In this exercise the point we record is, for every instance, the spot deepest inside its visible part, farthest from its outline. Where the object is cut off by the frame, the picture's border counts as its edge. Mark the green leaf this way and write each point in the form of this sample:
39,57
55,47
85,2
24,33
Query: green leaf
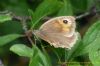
91,39
46,54
94,56
22,50
91,34
95,45
4,18
90,3
11,27
39,58
45,8
79,5
18,7
66,8
8,38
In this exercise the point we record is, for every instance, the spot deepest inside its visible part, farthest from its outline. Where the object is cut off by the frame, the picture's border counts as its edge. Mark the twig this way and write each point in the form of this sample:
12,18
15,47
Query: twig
27,32
82,15
93,11
19,18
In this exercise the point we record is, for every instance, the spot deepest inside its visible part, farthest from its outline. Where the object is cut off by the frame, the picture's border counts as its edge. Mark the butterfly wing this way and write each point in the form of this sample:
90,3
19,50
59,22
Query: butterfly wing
62,41
57,33
57,40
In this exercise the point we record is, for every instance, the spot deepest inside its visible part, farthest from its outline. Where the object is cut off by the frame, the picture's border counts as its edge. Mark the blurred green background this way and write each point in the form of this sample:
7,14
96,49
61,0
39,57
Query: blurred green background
40,11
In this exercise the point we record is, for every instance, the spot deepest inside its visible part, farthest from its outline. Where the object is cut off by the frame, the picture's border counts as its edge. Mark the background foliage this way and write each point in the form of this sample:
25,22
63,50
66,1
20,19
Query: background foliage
19,17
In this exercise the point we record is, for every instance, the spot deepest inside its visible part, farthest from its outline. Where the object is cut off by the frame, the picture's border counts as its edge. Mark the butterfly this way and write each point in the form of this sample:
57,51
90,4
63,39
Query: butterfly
59,32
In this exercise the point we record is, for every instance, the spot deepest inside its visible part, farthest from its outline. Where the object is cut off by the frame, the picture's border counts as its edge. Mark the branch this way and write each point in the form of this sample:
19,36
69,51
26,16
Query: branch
28,33
93,11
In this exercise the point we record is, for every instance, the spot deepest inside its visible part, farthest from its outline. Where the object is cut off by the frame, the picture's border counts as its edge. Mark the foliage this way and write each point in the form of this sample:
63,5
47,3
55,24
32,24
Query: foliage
22,50
4,18
13,33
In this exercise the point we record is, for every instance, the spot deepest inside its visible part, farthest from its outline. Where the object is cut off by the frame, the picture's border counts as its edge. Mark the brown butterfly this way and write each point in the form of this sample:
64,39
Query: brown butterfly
59,32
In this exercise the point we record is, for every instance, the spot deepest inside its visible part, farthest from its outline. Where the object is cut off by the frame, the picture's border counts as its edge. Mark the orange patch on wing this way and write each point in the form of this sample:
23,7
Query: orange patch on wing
56,24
